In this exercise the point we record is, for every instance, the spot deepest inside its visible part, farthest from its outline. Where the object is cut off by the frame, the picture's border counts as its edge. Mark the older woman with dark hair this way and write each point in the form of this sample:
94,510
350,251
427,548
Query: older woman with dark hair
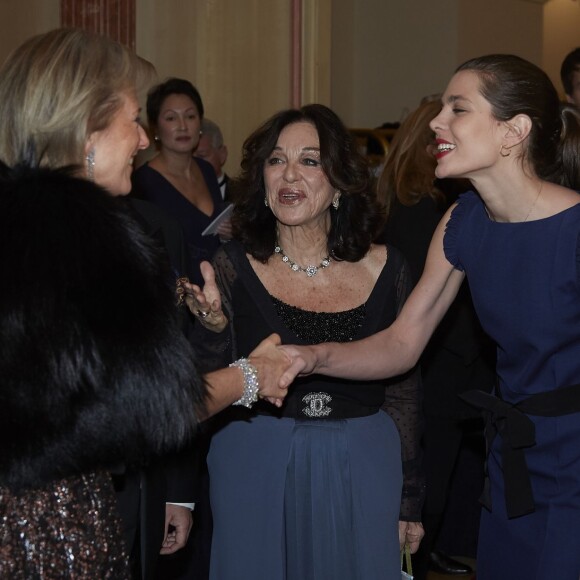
313,489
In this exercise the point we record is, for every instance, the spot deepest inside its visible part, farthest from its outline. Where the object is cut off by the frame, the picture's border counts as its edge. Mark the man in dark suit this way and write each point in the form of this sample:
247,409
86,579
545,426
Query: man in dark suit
211,148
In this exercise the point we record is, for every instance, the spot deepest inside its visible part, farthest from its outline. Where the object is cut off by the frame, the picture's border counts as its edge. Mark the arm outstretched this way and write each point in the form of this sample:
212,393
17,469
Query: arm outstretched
396,349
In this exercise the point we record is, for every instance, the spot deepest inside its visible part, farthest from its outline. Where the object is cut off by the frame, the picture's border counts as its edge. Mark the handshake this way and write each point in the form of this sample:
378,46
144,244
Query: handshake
278,365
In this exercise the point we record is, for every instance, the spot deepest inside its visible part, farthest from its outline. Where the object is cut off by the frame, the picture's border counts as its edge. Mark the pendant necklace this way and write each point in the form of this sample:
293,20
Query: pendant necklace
492,218
310,270
535,202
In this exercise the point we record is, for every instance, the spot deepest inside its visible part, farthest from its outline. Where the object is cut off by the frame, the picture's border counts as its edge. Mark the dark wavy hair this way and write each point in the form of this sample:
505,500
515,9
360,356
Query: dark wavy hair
359,216
514,86
172,86
570,154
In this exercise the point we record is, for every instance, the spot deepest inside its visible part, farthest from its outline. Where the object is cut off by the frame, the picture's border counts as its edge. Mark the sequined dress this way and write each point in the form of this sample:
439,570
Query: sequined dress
303,494
68,529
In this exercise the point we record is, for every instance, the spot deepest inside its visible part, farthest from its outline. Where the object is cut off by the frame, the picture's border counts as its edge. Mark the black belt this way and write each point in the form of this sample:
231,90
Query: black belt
318,405
517,432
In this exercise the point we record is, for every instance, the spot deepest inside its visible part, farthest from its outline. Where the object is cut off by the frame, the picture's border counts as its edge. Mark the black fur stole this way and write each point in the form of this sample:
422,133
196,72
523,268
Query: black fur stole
93,366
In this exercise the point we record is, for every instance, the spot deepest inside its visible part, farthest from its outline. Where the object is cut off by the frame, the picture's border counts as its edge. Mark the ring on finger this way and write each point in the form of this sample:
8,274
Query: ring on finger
202,313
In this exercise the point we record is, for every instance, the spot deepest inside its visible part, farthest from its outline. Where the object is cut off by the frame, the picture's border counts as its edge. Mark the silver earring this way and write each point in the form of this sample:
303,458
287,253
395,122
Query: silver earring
336,201
265,201
509,151
90,159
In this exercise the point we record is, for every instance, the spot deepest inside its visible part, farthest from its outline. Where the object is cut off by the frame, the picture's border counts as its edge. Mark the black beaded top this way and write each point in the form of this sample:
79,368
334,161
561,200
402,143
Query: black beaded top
318,327
256,314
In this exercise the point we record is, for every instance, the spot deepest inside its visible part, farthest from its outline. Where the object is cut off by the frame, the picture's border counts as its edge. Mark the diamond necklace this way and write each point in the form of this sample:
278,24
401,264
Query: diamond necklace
310,270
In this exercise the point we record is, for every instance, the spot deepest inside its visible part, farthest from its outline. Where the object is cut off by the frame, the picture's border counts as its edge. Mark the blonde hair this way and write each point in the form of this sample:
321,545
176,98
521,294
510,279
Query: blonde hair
146,78
55,90
409,171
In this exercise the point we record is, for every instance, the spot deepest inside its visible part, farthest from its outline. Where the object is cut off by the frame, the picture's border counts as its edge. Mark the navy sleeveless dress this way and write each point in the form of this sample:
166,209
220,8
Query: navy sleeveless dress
524,279
150,185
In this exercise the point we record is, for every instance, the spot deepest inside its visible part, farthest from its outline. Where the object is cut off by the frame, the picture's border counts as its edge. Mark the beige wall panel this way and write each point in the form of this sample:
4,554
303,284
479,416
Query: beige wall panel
504,26
395,53
316,51
561,35
24,18
342,59
237,53
166,35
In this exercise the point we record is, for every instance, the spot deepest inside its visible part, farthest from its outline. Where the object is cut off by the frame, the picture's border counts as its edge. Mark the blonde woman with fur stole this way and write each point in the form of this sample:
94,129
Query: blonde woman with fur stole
95,369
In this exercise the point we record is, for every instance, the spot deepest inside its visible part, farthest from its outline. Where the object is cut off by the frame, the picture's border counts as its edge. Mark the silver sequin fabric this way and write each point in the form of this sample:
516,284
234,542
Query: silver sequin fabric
67,529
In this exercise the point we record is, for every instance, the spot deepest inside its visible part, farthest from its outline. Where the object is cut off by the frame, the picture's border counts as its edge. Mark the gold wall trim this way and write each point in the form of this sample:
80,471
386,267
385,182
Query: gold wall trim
316,50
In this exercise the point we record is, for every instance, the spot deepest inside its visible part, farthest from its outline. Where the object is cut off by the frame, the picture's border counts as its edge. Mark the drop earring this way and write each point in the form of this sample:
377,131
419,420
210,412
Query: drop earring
90,159
266,201
336,201
509,151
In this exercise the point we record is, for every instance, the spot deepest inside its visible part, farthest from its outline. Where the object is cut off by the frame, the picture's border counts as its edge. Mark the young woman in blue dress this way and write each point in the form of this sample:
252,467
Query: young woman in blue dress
502,127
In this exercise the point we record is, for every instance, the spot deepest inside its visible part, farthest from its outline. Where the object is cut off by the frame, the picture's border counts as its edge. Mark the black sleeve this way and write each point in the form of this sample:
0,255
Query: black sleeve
403,402
216,350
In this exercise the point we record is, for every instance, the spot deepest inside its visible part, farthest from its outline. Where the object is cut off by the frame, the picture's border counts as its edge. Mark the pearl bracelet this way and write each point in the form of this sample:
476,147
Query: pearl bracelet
251,383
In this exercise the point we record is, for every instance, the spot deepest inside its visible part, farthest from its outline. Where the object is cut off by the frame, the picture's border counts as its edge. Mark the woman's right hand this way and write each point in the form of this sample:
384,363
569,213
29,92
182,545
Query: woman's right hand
271,362
206,304
304,362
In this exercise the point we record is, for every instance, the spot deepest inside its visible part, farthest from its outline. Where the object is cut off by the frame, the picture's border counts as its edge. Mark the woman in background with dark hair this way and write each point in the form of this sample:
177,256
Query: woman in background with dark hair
517,242
313,490
184,186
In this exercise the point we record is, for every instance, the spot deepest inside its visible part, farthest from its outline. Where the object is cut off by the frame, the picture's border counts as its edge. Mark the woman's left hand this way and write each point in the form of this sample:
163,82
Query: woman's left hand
206,304
410,533
224,231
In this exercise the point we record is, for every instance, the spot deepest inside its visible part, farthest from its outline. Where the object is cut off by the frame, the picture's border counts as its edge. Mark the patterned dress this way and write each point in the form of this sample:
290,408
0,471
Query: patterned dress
68,529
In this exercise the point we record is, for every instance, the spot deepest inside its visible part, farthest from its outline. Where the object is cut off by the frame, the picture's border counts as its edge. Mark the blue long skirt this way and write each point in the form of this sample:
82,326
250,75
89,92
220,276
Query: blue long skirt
306,500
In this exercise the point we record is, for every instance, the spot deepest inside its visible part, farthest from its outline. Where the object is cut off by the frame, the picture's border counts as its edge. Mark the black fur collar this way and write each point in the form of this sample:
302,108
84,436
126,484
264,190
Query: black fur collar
93,367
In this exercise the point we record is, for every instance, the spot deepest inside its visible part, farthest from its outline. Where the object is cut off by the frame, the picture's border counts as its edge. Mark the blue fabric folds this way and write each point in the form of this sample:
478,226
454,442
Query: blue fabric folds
319,533
306,500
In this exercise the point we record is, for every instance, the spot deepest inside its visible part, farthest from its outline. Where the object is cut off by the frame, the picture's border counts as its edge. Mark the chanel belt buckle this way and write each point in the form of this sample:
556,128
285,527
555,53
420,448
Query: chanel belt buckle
317,405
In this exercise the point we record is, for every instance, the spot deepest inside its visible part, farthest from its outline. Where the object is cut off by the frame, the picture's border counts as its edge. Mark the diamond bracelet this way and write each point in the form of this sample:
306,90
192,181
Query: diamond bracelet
251,383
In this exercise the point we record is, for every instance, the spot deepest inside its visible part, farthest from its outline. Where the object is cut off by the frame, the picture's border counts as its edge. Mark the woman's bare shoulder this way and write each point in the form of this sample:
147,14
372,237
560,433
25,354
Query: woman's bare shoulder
377,257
